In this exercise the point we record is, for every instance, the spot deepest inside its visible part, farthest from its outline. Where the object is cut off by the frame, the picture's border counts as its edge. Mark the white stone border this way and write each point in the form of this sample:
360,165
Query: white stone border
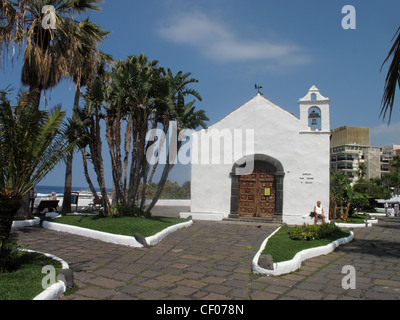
357,225
55,291
114,238
25,223
294,264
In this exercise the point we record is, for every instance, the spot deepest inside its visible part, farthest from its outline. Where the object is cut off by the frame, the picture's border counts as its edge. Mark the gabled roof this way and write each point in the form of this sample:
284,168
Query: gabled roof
258,96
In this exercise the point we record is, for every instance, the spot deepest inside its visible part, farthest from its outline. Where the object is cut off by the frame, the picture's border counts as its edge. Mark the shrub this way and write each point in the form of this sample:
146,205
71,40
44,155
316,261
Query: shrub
313,232
8,253
121,210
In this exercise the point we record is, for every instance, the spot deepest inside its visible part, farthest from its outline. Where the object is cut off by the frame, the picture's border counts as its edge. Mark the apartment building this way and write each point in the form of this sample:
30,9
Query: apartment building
387,156
352,153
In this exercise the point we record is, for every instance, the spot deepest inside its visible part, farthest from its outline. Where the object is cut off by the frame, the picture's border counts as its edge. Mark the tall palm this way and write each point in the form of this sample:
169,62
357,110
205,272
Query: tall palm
392,78
187,118
46,52
85,61
32,143
94,103
131,96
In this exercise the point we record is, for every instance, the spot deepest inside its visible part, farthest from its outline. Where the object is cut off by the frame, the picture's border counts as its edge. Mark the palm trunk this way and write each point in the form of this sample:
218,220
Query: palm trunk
97,159
164,177
66,206
8,210
87,176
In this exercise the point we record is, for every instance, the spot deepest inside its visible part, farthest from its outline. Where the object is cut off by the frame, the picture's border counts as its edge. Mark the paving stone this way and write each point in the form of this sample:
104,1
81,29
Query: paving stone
184,291
218,288
212,279
152,295
106,282
97,293
260,295
169,278
212,260
305,294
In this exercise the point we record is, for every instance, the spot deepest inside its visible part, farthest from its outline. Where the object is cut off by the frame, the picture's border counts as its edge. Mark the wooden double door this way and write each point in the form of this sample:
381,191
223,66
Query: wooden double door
257,192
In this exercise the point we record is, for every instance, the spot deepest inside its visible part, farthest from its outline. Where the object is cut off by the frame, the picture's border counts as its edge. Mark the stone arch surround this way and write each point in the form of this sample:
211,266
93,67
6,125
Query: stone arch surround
279,174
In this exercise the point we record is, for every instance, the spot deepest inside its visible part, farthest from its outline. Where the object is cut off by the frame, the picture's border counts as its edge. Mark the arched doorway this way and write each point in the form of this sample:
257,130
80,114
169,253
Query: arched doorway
260,193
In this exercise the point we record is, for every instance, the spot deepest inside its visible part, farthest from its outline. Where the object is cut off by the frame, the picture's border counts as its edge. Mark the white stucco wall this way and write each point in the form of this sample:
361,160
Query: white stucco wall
304,155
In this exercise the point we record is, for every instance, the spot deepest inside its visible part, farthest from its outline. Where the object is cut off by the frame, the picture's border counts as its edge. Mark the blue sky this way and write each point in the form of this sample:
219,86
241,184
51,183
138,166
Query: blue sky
229,45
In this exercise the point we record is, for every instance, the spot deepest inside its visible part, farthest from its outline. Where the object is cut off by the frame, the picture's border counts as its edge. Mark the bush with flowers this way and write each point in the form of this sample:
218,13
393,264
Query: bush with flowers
313,232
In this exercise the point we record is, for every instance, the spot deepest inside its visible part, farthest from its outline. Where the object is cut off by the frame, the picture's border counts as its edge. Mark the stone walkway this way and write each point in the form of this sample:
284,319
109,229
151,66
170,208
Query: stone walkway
212,261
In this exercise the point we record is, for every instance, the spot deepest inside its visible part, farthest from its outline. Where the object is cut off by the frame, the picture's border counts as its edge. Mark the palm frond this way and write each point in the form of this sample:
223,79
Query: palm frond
33,143
392,79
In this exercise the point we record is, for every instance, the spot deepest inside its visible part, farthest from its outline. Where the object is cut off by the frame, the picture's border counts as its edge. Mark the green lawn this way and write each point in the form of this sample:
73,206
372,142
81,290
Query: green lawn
359,218
127,226
281,248
25,283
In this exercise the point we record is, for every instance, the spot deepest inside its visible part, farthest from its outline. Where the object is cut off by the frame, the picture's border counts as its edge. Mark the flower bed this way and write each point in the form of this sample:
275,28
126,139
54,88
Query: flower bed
288,254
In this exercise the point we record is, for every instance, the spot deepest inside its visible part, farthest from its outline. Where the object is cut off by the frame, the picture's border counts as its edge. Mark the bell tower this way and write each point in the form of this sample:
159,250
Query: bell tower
314,111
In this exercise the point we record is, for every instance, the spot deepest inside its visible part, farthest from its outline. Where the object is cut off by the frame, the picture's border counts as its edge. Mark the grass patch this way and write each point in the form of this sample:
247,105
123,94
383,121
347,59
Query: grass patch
358,218
25,283
126,226
282,248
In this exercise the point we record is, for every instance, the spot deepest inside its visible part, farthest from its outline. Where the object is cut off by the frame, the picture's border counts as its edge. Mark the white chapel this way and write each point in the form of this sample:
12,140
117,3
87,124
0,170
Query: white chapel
261,162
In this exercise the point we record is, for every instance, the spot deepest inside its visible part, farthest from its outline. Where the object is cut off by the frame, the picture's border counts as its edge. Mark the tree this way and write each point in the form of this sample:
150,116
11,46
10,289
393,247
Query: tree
338,192
362,170
46,50
86,60
369,190
32,143
143,98
94,104
392,78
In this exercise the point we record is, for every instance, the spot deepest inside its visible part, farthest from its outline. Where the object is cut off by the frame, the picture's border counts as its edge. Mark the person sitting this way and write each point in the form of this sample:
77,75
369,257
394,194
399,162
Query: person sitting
319,212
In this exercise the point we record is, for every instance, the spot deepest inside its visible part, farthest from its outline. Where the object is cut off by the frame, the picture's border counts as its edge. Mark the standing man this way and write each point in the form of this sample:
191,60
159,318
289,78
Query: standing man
32,198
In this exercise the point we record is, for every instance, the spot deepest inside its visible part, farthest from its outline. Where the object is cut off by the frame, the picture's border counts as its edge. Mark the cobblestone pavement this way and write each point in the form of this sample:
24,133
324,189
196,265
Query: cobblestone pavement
212,261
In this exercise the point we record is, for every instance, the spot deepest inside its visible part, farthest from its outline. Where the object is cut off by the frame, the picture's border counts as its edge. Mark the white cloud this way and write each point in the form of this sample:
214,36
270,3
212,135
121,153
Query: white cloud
218,42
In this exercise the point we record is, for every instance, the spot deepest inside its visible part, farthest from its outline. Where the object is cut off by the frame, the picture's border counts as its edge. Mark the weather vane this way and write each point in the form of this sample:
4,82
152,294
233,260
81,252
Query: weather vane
257,87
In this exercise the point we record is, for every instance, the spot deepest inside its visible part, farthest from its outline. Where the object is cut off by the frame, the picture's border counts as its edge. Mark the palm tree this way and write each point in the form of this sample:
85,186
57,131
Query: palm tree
362,170
131,96
186,118
94,103
46,52
32,143
144,96
392,78
86,60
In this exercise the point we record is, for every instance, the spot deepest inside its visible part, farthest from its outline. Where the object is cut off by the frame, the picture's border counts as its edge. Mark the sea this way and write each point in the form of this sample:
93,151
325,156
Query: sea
43,191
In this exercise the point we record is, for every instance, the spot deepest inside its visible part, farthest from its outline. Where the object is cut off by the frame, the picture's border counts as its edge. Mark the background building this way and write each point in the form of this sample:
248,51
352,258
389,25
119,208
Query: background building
387,157
352,153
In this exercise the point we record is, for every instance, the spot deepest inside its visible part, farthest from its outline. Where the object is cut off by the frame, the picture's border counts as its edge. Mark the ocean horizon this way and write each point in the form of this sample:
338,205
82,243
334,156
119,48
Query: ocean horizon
43,191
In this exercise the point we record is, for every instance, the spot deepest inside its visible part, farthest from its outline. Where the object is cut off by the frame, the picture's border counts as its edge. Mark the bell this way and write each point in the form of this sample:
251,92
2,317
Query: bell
314,122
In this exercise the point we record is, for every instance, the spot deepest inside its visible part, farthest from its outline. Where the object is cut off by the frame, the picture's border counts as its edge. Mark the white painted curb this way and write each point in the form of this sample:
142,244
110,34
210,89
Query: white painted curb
294,264
357,225
55,291
114,238
153,240
26,223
